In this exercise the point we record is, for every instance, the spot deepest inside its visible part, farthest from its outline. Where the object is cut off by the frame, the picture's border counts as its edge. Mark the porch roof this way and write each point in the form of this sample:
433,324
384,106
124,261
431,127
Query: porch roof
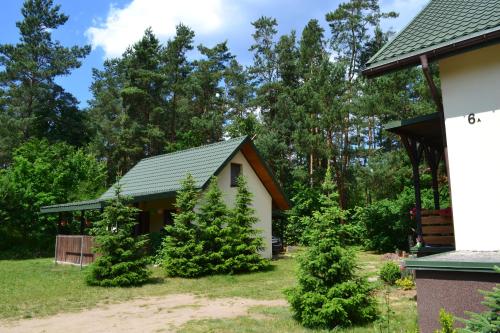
423,128
73,206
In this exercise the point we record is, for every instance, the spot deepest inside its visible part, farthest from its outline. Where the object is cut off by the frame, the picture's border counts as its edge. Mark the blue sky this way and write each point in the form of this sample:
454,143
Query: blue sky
110,26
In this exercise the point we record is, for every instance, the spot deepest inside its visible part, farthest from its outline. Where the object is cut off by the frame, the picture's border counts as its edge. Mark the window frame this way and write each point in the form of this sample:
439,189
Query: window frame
234,178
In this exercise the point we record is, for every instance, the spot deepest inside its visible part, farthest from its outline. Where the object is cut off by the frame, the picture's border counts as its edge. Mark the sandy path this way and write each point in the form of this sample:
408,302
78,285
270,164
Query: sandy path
152,314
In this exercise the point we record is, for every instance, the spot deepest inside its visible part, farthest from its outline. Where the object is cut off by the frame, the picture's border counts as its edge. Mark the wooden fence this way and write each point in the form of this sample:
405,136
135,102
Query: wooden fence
74,249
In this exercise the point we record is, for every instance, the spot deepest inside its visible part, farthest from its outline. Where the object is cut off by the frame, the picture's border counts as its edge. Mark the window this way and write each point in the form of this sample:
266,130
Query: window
235,173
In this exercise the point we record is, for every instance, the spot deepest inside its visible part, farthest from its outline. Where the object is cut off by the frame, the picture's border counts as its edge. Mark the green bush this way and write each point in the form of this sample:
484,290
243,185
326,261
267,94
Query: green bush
41,174
122,261
405,283
446,320
329,294
386,231
390,272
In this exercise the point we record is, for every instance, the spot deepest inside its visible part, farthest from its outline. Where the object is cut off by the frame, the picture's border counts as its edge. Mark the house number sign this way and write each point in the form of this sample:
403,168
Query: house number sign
472,119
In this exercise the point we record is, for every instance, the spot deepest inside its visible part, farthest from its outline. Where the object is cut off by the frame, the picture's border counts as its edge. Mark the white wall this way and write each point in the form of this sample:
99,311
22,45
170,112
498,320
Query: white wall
262,201
471,84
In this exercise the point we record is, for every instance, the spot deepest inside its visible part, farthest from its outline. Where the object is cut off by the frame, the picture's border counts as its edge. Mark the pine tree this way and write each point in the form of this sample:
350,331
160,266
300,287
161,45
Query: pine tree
182,251
32,103
213,219
122,261
329,294
243,241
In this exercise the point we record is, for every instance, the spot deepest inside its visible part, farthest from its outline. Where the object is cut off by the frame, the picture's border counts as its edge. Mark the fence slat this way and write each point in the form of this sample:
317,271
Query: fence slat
74,249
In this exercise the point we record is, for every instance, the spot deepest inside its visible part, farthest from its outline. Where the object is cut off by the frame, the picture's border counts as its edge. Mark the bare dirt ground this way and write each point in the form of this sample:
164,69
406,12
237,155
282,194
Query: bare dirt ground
152,314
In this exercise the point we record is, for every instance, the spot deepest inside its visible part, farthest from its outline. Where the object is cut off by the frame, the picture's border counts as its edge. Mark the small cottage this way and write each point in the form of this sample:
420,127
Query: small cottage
153,182
459,247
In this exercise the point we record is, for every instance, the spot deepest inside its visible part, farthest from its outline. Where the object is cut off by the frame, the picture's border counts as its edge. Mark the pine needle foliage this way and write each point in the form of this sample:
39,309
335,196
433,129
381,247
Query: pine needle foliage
213,217
243,240
182,251
488,321
213,239
329,294
122,262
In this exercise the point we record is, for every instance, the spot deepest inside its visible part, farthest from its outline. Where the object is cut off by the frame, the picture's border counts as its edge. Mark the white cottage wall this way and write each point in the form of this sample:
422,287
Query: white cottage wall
470,85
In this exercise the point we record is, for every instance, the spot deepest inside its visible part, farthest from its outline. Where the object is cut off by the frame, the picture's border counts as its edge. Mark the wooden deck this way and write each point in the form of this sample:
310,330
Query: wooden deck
74,249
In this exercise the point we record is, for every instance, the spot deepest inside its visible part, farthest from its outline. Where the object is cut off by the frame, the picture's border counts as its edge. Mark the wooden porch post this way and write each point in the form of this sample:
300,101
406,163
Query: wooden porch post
415,152
433,157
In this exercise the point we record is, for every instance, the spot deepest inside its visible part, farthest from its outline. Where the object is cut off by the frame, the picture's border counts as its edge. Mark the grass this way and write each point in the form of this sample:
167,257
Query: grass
397,308
37,288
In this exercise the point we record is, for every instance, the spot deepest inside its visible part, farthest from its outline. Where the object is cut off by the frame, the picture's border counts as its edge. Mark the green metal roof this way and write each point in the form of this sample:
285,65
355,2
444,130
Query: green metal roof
163,174
441,24
73,206
468,261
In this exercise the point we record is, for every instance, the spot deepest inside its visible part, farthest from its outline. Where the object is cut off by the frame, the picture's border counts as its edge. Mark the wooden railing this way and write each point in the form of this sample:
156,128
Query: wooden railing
74,249
437,228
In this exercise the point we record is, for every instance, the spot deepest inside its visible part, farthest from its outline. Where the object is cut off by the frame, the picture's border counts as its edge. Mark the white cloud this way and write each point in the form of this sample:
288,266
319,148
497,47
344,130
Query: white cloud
407,10
124,26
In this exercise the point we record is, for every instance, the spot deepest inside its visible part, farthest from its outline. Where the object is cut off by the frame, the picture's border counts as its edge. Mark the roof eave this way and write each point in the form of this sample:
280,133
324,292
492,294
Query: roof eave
434,53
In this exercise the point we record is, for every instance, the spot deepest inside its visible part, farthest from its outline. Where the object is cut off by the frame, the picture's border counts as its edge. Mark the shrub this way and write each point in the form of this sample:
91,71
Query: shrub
329,294
386,231
390,272
488,321
122,261
42,173
446,320
405,283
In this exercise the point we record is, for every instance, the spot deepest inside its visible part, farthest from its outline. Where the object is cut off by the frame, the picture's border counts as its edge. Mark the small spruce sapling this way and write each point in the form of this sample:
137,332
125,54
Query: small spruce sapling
122,261
182,251
329,294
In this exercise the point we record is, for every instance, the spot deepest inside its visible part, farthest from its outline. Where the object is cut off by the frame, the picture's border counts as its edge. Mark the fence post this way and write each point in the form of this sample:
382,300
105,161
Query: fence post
55,251
81,252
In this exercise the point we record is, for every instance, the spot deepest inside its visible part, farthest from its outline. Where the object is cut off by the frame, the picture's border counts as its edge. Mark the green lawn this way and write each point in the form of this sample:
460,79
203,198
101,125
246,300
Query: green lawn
34,288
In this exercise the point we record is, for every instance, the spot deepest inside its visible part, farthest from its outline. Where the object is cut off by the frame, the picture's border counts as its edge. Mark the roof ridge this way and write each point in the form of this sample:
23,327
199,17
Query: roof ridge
195,148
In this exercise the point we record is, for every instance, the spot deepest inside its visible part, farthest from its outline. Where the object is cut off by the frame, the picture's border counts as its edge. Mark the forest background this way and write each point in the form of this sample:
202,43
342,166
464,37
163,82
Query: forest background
303,100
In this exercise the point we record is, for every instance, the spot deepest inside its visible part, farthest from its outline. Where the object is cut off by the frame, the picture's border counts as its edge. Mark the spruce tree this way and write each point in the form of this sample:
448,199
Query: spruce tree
182,252
329,294
122,261
488,321
213,217
243,241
